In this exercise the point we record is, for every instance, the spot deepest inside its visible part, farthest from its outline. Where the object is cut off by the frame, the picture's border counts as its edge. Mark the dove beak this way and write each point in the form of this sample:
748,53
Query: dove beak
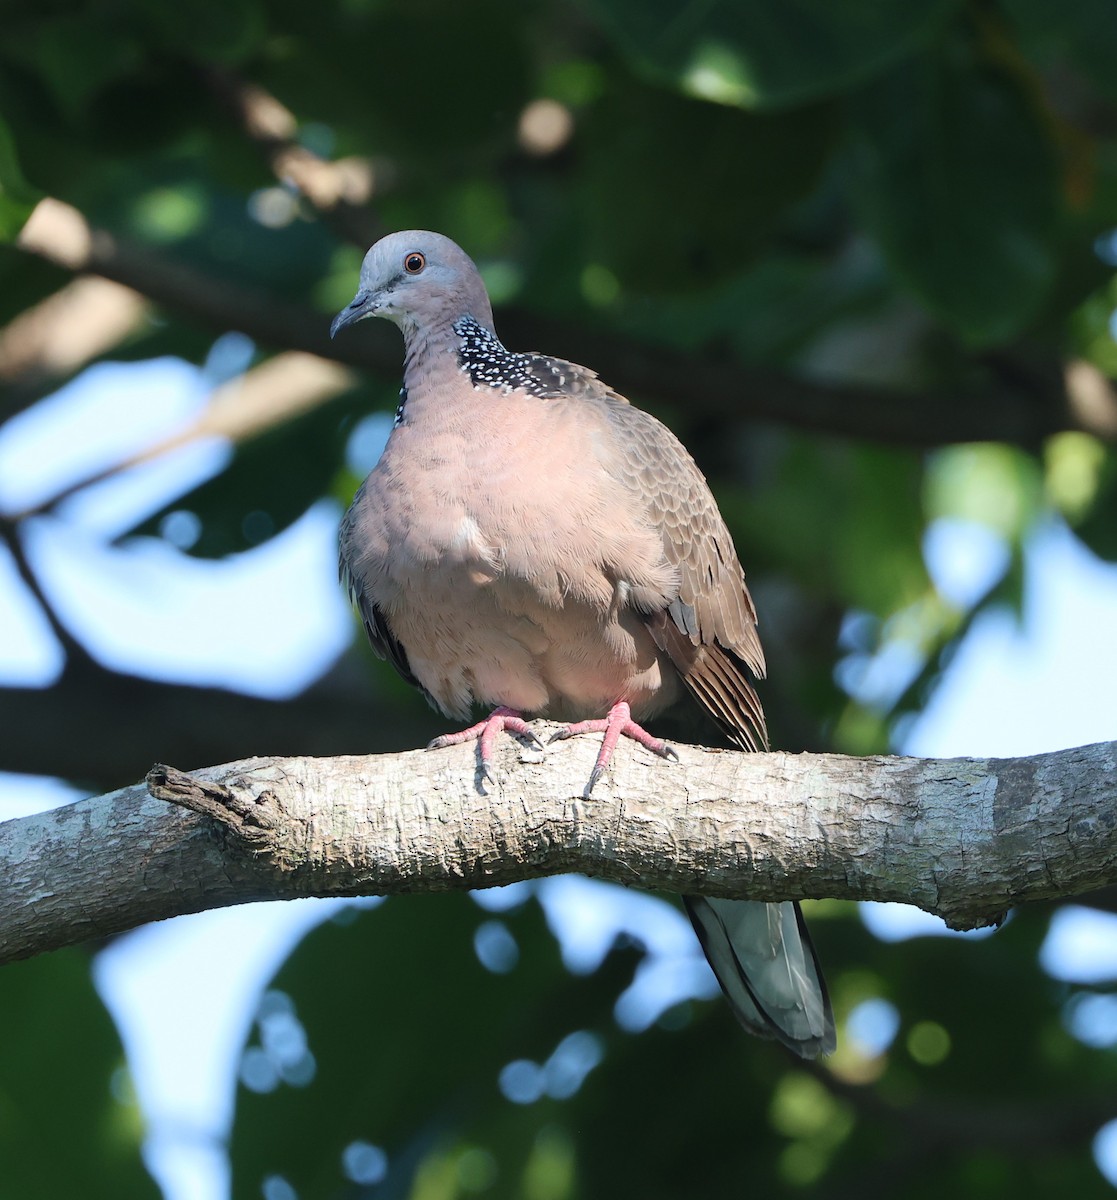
362,305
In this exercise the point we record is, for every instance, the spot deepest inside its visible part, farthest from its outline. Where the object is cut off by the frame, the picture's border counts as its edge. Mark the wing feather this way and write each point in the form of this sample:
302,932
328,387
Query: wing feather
761,953
384,643
709,629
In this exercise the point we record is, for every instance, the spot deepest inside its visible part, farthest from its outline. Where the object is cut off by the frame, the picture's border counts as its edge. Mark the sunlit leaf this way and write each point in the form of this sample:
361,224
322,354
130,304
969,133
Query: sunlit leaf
17,197
757,54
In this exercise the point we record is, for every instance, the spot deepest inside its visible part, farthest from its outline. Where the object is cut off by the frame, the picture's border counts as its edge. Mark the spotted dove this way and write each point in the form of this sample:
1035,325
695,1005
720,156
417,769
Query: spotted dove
532,542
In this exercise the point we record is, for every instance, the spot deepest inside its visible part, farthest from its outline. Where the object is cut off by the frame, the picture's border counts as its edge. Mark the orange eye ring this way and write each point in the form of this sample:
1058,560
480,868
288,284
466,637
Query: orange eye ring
414,262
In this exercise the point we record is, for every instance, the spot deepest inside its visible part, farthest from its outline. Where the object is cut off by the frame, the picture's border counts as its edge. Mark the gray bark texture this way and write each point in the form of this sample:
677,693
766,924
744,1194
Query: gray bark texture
965,838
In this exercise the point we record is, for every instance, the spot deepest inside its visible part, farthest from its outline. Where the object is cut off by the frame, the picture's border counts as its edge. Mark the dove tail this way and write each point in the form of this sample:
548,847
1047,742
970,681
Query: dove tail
764,960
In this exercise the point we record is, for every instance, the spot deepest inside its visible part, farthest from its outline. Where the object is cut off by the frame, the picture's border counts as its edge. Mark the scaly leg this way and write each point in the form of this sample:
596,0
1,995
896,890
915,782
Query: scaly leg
484,732
617,724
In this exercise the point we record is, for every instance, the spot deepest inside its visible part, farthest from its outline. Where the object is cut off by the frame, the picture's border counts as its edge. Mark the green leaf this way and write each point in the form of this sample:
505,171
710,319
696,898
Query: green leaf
224,31
69,1125
1098,528
991,484
846,519
76,54
755,53
435,86
17,197
1071,33
953,174
409,1033
706,218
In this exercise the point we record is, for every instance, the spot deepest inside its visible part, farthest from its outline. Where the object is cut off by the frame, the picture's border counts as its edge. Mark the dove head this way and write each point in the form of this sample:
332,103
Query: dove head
420,281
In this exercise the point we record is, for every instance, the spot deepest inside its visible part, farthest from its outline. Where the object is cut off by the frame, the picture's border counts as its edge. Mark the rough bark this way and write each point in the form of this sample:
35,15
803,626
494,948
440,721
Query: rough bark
965,838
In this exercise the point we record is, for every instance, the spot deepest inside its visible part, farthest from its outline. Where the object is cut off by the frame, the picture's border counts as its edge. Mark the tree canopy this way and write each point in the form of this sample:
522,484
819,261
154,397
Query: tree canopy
860,257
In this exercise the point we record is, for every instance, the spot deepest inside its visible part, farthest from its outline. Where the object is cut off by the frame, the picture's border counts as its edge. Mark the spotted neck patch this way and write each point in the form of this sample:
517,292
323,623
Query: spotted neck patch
400,407
482,356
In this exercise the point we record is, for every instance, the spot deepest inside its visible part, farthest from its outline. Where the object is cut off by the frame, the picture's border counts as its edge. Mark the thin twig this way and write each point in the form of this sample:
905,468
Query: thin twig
10,536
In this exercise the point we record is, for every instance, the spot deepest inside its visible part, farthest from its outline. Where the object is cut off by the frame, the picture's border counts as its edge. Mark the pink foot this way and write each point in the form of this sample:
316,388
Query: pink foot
617,724
485,733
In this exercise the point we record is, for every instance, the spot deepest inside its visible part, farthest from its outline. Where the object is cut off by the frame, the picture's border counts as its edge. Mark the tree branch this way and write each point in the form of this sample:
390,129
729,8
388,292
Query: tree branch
281,388
10,537
965,838
997,410
99,727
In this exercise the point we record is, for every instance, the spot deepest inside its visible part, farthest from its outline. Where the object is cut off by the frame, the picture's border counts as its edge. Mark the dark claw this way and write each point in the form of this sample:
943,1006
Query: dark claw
533,738
560,735
595,775
669,752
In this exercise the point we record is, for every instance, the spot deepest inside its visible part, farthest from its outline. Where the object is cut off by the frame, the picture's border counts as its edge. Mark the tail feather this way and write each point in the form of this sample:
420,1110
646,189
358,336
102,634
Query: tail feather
764,960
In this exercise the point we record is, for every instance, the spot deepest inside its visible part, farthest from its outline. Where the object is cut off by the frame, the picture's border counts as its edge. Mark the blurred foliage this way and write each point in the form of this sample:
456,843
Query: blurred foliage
515,1055
912,196
68,1119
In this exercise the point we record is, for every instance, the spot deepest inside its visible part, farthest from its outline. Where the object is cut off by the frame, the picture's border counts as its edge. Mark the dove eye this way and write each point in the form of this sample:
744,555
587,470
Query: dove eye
414,262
